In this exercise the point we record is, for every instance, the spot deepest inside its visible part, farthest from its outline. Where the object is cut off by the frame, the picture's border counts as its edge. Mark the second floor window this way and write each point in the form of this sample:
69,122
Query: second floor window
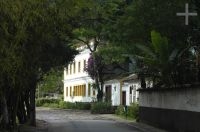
79,66
84,65
74,67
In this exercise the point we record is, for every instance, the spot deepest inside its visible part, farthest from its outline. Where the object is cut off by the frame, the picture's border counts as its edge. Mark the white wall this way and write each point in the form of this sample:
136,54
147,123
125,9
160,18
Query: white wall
115,92
179,99
78,78
84,55
74,82
130,98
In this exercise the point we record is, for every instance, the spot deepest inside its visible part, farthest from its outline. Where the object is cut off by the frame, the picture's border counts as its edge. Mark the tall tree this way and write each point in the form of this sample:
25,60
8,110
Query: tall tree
133,27
91,32
34,37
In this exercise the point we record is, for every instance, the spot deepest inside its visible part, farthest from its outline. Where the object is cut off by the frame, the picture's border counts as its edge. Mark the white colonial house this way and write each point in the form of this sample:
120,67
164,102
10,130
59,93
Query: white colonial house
77,83
122,91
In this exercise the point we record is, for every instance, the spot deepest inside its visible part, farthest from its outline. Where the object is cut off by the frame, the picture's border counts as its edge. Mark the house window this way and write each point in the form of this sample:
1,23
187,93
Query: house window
134,89
79,88
79,66
84,90
131,89
84,65
74,67
70,91
94,93
66,91
89,88
75,90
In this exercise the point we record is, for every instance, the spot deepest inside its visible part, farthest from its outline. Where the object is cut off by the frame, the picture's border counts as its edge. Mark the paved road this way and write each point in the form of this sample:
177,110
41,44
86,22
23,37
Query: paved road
80,121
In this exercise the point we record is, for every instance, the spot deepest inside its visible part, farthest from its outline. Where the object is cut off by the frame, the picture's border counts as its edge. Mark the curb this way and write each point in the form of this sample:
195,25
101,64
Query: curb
137,125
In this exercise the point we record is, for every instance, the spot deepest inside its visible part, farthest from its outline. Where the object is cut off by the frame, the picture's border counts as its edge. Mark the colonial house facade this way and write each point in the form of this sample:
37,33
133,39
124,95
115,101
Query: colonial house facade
120,90
77,83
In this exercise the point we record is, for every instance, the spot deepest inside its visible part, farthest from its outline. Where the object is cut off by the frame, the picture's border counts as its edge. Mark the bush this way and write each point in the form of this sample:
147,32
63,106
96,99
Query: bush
42,101
132,111
102,108
53,105
56,103
66,105
120,110
83,106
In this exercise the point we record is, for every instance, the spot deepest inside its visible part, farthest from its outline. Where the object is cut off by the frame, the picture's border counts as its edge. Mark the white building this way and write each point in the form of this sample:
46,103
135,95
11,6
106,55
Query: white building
77,83
122,91
129,89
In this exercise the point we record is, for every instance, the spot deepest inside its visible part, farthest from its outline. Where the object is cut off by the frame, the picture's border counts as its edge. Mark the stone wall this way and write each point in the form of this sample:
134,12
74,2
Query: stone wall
176,110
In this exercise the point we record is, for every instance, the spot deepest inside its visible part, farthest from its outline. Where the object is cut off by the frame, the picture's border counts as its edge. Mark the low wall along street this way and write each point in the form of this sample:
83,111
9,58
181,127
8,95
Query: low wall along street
175,110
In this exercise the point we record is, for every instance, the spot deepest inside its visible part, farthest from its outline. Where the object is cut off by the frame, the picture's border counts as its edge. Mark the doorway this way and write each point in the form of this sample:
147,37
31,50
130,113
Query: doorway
124,98
108,93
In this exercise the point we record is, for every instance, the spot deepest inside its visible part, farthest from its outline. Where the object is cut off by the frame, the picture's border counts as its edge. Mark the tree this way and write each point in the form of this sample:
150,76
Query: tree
133,27
161,62
92,29
95,68
29,47
51,82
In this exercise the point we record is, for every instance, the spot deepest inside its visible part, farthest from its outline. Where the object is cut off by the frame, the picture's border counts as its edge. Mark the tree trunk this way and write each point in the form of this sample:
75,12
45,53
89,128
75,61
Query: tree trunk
32,106
198,66
27,103
21,114
5,112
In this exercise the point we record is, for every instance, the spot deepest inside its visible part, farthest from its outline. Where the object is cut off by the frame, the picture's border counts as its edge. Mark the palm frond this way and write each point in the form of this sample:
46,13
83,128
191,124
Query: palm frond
146,50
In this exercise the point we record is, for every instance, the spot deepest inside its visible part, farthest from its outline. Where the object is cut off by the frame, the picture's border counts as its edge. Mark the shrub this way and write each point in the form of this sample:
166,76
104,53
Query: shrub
102,108
120,110
76,105
66,105
56,103
42,101
63,105
53,105
132,111
82,106
46,105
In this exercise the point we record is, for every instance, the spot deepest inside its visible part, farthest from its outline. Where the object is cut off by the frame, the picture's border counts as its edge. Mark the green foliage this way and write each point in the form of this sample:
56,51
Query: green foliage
42,101
57,103
132,111
82,106
51,105
102,108
112,54
66,105
162,62
164,57
52,81
35,37
120,110
93,27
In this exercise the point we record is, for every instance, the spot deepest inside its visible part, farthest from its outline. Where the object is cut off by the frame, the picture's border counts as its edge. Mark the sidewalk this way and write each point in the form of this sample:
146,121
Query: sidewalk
140,126
41,126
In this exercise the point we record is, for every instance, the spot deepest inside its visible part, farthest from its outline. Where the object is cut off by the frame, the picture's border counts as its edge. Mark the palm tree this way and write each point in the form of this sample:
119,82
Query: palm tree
160,60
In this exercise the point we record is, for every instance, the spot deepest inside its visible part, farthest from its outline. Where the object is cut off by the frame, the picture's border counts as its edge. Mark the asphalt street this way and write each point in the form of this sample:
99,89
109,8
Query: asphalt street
80,121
